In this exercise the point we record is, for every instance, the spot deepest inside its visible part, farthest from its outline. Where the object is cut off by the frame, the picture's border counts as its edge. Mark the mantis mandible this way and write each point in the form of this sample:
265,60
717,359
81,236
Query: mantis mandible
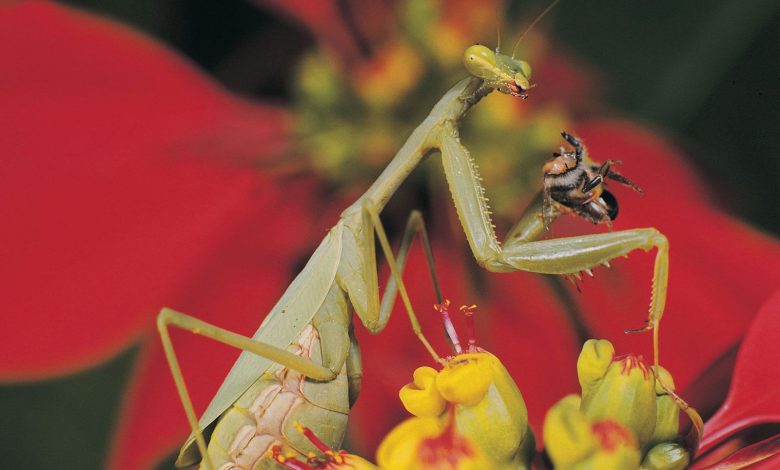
303,363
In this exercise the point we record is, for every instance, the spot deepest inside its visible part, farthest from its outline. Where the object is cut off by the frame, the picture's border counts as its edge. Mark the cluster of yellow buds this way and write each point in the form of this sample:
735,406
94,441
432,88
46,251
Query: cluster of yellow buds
623,418
475,395
470,415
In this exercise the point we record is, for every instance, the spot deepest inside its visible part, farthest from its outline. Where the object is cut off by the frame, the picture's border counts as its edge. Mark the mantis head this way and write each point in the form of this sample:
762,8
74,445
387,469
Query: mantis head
505,74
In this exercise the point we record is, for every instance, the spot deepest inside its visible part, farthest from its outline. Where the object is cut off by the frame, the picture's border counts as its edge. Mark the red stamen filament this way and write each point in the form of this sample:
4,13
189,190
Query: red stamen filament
287,461
313,438
443,308
468,310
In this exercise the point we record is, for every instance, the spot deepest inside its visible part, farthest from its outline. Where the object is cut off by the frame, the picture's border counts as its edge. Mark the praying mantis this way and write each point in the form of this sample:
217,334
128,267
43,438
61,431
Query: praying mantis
303,363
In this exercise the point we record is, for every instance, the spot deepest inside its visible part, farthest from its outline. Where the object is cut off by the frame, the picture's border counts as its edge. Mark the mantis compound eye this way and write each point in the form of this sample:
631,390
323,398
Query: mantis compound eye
480,61
525,68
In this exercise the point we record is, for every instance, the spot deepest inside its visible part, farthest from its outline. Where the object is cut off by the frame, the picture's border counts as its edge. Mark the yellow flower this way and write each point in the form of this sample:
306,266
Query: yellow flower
430,444
488,407
574,441
421,397
389,76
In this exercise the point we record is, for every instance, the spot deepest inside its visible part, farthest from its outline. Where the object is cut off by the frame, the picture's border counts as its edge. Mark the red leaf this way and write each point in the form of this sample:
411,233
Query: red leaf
108,200
754,396
344,28
114,211
761,455
123,190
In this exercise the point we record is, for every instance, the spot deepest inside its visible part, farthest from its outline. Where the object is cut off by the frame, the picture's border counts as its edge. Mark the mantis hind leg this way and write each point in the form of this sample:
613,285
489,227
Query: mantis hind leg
168,317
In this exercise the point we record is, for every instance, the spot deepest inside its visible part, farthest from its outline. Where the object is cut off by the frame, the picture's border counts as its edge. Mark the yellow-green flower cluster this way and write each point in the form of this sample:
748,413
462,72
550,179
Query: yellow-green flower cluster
622,420
476,393
351,119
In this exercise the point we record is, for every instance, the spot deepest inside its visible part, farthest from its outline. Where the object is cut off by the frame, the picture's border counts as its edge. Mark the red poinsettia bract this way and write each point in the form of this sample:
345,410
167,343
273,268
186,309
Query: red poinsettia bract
124,192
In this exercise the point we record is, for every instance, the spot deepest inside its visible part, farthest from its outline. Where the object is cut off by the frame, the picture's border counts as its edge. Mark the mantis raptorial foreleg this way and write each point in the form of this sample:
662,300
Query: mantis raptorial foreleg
557,256
330,330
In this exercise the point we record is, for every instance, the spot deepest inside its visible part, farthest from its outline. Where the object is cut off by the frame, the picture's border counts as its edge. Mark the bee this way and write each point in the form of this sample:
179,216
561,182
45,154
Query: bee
573,183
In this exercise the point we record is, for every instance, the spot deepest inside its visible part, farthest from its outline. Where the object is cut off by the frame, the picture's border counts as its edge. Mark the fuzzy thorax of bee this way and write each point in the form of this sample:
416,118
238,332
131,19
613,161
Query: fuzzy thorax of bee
574,183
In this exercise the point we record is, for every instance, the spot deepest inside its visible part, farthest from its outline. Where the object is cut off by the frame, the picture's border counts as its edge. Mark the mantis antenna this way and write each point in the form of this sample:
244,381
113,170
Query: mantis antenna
533,23
498,34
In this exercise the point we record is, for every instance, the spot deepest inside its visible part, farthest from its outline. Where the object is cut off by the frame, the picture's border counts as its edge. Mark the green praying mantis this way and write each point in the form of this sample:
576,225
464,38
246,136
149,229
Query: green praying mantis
303,363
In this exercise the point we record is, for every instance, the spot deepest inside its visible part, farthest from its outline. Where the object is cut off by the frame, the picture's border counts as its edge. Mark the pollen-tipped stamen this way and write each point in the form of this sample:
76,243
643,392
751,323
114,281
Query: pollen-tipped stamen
324,448
468,311
288,460
443,308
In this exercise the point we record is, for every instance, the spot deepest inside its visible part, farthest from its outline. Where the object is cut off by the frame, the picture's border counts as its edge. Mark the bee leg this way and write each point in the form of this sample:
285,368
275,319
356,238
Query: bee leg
623,180
589,185
579,150
547,211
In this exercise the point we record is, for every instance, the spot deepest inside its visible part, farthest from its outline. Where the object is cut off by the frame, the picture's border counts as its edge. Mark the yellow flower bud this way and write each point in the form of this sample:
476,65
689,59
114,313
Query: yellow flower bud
626,394
466,378
618,449
666,456
489,408
318,82
595,358
573,441
398,63
567,434
421,397
428,443
666,378
667,423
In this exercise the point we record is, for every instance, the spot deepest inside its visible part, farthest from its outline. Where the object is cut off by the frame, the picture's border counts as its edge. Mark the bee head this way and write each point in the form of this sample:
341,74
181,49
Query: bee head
560,163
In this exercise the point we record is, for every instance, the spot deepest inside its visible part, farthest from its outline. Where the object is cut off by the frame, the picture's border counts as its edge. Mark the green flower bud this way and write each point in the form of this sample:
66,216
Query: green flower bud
667,424
624,393
595,358
666,456
488,408
318,82
573,441
567,433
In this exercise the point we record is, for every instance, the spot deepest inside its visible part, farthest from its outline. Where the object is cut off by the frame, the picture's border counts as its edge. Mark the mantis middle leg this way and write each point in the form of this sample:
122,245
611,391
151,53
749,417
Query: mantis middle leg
333,326
556,256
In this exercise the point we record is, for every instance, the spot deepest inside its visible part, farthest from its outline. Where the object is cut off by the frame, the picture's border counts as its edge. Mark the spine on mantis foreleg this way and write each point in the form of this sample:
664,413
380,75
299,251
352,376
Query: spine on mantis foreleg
468,194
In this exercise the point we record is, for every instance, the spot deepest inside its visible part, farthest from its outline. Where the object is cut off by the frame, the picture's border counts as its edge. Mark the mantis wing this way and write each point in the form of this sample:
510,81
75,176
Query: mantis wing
283,324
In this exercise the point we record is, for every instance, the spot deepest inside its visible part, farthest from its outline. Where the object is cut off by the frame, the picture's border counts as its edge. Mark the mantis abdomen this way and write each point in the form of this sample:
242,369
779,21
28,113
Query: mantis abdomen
267,413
